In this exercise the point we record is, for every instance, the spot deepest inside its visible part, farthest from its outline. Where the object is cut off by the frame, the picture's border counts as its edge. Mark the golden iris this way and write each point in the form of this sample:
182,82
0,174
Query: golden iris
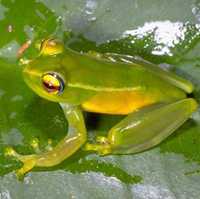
52,83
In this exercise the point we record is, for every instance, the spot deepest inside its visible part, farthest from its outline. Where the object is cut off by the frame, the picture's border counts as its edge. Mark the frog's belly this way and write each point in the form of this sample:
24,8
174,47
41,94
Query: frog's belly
122,102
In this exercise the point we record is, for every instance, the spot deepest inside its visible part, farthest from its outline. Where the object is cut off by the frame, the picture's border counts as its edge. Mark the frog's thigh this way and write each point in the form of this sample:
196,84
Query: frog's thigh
145,128
148,127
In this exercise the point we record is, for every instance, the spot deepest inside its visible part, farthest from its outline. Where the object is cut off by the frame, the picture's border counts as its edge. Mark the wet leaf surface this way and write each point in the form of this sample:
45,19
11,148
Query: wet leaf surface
164,32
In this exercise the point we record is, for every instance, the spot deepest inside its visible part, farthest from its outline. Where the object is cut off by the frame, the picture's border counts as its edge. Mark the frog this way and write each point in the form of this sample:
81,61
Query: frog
154,102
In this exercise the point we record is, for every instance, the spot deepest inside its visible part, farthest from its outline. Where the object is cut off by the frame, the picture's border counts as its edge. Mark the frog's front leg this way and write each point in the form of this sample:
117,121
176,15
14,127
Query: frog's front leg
145,128
71,143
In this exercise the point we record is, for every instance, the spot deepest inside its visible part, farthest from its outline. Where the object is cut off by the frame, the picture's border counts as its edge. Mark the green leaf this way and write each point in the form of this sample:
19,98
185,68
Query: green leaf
164,32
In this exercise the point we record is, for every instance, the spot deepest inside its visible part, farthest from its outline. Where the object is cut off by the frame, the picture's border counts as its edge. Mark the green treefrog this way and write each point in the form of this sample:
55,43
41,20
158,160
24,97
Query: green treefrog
154,100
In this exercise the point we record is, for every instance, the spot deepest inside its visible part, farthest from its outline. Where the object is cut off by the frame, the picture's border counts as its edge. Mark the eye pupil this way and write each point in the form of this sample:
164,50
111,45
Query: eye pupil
51,87
52,83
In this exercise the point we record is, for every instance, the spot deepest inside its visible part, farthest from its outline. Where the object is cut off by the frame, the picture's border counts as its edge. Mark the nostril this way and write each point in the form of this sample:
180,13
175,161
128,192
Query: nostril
24,61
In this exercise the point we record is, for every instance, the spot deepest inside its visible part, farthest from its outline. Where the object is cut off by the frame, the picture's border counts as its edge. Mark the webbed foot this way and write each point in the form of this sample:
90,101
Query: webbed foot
28,161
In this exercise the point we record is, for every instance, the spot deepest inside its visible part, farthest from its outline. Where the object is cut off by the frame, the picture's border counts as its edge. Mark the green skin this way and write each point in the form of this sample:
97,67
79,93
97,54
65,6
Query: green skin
85,75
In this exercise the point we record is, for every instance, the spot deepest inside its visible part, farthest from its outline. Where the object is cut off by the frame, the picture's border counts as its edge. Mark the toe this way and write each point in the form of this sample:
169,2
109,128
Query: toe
35,145
101,149
9,151
29,162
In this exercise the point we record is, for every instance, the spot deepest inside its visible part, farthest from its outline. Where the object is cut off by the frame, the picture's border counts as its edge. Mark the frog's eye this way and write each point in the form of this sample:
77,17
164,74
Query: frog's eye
51,47
53,83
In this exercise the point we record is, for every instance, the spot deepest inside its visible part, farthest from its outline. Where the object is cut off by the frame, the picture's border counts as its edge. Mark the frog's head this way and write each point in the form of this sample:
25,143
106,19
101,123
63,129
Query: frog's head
44,74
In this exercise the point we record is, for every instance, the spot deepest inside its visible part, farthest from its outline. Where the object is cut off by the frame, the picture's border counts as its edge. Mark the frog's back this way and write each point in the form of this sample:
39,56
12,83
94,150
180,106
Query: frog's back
120,88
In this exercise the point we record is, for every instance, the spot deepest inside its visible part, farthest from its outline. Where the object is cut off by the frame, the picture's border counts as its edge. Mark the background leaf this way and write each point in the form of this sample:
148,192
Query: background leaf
164,32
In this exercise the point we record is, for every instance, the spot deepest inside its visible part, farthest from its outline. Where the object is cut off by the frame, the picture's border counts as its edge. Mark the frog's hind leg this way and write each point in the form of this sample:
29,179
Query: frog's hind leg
145,128
71,143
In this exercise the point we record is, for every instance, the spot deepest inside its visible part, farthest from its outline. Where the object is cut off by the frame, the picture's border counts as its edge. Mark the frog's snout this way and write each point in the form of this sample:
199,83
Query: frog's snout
24,62
29,69
31,76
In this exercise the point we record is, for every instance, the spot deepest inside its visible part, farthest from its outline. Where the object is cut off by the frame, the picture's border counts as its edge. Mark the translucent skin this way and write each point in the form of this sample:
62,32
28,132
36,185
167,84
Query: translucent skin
154,101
